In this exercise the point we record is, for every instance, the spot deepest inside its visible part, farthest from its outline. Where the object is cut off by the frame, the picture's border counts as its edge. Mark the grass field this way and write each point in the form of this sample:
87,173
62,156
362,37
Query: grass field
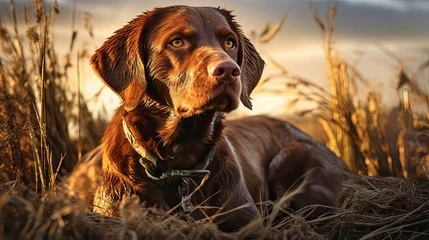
46,126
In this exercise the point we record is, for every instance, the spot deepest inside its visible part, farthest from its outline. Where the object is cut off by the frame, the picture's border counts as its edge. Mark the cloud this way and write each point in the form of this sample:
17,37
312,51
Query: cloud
393,4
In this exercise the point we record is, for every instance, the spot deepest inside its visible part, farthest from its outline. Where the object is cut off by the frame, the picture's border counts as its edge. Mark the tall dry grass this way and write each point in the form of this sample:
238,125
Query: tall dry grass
372,139
38,104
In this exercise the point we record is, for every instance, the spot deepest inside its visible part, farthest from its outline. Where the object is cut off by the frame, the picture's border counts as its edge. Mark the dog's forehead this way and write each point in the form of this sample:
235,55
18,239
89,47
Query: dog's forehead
207,16
195,19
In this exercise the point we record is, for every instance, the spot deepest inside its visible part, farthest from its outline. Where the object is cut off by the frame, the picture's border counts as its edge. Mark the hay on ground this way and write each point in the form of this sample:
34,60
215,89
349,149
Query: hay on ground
372,208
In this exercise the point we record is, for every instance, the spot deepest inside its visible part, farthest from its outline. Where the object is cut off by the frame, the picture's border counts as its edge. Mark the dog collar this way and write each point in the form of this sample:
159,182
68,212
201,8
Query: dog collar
159,174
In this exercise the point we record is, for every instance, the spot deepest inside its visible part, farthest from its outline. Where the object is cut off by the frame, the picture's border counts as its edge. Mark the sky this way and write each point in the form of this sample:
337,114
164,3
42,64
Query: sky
361,26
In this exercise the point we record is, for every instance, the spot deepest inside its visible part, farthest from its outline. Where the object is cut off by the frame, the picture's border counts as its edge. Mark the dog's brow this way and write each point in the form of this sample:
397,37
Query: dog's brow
224,32
186,32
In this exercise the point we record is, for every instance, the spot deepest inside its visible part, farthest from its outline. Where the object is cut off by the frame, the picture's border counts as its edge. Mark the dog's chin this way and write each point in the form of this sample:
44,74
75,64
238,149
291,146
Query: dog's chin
221,103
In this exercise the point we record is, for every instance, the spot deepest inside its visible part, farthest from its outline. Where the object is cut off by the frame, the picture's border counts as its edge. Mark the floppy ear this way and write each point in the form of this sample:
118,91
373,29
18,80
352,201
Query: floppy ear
119,64
249,60
252,66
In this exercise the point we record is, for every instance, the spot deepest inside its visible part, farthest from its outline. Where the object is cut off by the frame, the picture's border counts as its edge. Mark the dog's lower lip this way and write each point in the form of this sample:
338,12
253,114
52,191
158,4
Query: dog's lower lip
219,92
209,106
222,99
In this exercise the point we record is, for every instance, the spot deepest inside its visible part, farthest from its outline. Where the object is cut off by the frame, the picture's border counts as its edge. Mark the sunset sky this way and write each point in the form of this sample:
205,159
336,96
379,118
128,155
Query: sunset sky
361,25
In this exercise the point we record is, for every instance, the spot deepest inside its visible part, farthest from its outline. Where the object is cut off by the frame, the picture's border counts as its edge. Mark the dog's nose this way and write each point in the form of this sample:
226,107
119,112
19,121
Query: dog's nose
224,71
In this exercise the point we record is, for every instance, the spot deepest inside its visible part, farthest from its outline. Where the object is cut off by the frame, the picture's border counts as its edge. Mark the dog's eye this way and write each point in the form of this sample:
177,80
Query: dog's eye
177,42
229,43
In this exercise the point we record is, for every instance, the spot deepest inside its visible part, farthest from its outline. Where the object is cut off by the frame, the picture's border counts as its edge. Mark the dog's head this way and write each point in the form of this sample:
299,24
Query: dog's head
190,59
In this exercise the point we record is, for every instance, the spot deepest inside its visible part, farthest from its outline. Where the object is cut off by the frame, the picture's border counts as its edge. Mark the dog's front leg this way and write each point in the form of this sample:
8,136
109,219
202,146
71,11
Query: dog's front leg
236,208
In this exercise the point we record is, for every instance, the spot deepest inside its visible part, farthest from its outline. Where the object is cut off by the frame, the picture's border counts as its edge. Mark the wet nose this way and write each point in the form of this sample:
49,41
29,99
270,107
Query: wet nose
224,71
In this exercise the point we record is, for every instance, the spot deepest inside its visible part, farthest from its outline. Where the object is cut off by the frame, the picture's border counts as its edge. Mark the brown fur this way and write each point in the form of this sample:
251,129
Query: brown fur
173,103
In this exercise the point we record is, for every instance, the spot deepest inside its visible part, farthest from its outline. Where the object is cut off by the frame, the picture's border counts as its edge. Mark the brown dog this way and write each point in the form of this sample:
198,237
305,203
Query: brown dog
177,70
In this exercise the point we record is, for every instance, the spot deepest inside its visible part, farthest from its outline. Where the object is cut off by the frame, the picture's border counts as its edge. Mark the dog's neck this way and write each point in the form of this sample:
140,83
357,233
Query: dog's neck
185,141
179,142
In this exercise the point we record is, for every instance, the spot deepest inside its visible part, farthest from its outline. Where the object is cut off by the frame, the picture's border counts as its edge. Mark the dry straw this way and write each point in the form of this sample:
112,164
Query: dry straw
364,133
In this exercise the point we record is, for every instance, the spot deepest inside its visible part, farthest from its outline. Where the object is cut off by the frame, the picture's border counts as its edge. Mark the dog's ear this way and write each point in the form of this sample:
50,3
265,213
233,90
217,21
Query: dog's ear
249,60
252,66
118,62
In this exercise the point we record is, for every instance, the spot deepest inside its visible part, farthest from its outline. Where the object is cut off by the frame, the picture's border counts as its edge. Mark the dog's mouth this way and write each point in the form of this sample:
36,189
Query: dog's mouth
223,100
